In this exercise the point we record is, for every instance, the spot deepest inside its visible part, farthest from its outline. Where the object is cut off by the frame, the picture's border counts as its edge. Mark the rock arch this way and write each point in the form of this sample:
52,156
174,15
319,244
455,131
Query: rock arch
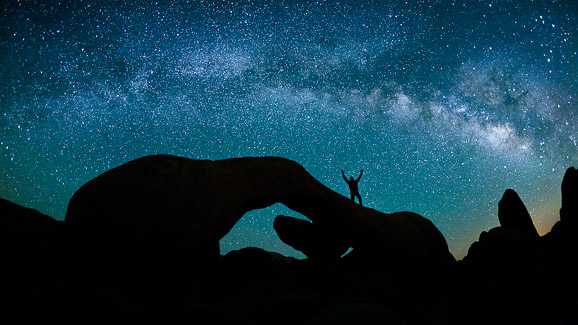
162,209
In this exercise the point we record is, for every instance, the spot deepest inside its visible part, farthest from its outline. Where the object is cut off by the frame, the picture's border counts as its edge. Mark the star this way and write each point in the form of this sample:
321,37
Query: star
445,106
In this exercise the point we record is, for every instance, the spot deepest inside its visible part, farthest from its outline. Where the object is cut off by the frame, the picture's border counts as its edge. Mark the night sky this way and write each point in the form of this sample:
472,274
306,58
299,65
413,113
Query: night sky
444,104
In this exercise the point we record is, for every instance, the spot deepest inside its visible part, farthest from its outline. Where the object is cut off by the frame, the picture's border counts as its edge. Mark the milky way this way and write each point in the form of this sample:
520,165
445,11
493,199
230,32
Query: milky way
444,104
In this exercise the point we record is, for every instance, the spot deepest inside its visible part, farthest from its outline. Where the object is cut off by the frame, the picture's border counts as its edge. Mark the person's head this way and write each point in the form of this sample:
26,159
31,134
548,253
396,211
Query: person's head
350,178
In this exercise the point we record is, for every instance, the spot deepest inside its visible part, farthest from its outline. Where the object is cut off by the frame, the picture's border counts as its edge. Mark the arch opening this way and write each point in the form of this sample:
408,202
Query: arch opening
255,229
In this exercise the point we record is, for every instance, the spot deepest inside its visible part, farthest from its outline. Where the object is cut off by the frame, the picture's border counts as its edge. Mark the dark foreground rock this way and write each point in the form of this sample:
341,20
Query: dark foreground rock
512,214
519,277
512,277
313,240
569,210
29,239
512,244
164,216
35,280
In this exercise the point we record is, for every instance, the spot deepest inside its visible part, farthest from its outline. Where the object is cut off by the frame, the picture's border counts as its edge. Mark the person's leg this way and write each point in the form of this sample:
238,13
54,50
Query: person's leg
359,197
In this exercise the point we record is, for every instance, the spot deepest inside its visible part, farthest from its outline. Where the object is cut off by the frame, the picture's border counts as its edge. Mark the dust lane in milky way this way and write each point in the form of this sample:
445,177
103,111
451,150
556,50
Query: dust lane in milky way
445,105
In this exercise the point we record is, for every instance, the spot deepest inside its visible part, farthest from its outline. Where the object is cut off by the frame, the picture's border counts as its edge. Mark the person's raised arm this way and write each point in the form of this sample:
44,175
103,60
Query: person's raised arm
358,178
344,178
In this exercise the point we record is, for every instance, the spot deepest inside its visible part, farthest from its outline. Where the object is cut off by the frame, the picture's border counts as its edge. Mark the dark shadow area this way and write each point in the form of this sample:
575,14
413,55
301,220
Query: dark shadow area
140,245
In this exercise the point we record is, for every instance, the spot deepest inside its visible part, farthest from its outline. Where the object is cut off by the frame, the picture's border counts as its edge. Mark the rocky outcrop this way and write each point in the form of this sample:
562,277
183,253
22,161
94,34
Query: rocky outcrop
502,280
512,214
160,209
312,240
35,280
517,242
28,238
569,210
252,262
510,245
513,270
562,241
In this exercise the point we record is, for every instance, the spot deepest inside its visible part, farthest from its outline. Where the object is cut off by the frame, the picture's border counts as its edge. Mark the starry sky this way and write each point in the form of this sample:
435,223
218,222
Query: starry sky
444,104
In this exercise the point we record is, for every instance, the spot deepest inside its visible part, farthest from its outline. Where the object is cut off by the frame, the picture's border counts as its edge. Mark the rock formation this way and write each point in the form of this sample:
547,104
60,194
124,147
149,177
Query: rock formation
509,276
313,240
28,238
510,244
239,265
513,270
563,239
162,211
569,210
512,214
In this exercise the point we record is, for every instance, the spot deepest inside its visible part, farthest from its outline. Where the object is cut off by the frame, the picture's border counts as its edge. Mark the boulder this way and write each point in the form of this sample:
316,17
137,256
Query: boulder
313,240
164,215
512,213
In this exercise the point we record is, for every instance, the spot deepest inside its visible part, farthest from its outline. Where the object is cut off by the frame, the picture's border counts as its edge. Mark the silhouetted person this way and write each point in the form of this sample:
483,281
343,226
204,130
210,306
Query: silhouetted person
353,188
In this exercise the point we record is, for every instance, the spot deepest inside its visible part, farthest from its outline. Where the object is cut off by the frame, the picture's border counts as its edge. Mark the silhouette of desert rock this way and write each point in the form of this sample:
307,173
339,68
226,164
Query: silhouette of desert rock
165,214
28,238
569,210
512,270
314,241
564,234
101,272
238,265
511,244
557,257
512,213
36,287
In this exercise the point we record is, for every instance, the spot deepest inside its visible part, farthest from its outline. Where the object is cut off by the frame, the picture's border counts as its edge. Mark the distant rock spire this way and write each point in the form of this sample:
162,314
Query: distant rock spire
512,213
569,210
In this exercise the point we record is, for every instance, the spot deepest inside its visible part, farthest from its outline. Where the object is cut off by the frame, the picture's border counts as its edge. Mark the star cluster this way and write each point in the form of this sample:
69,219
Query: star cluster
444,104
